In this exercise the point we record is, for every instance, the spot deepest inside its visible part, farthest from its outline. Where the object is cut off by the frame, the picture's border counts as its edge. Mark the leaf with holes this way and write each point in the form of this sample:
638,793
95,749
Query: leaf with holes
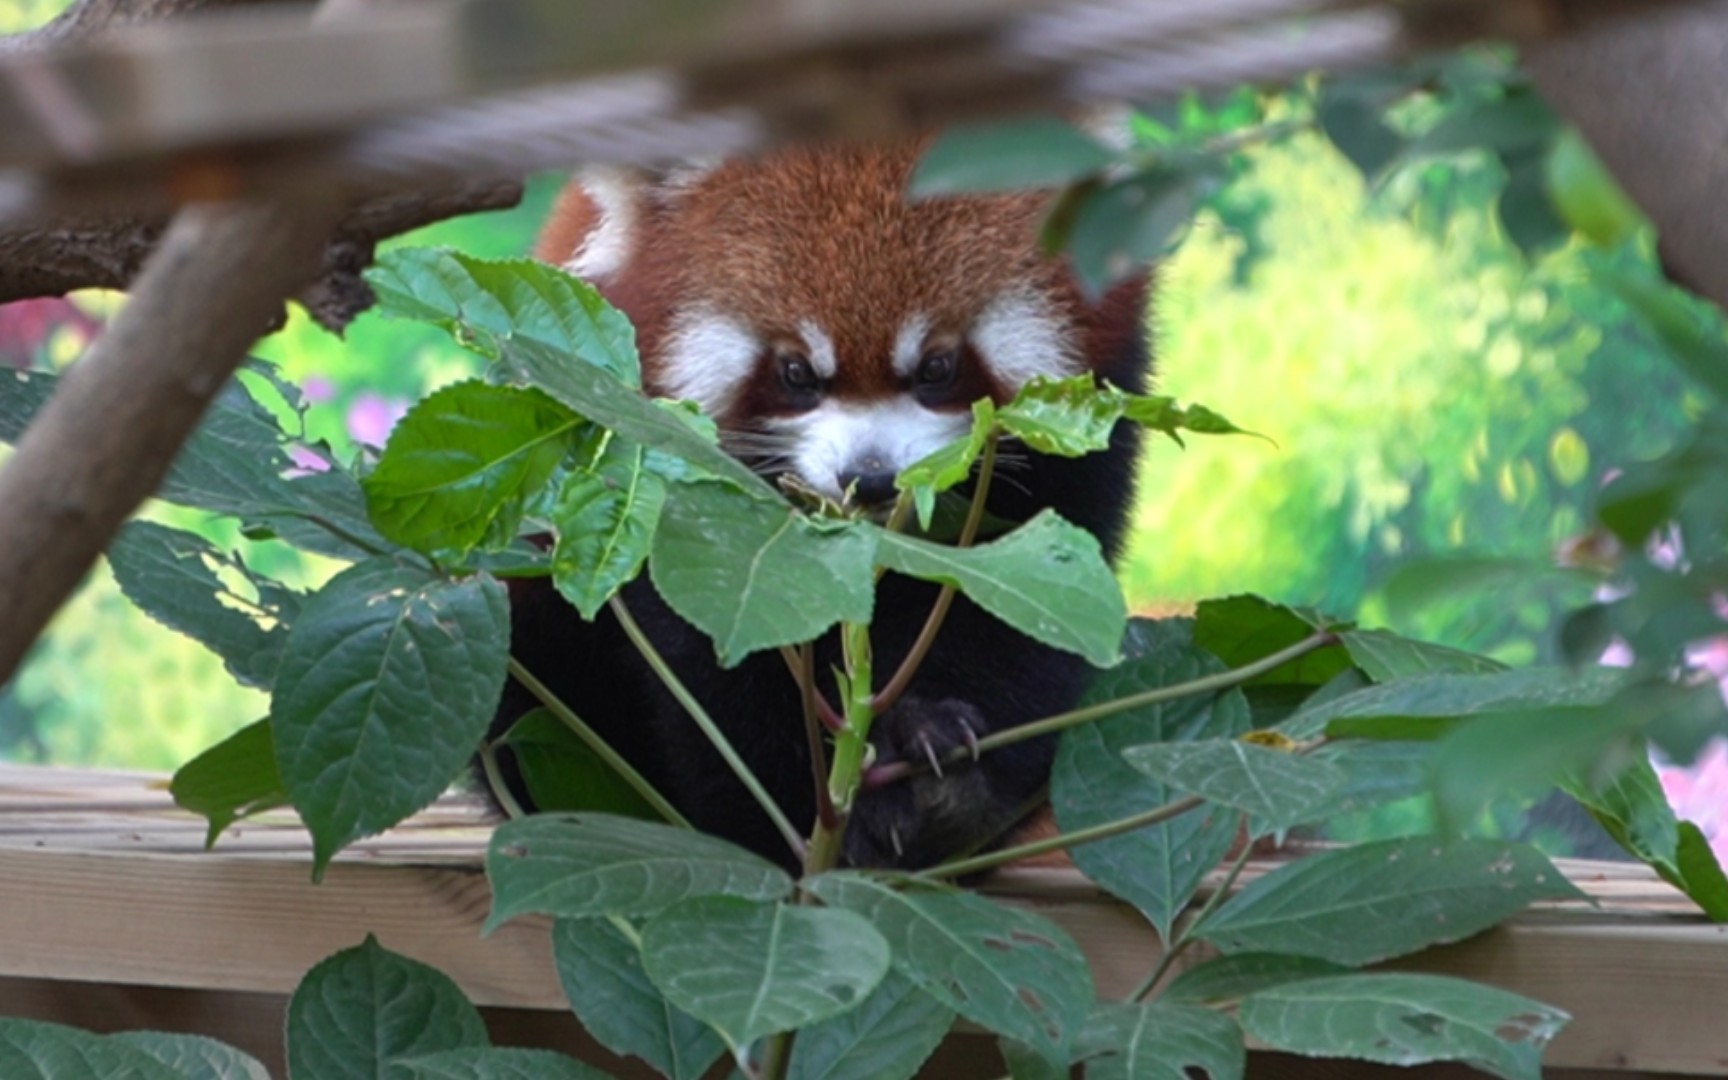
1224,979
587,865
1066,417
1160,1041
750,970
943,468
1047,579
1368,903
461,466
601,972
1010,971
1033,152
357,1012
1405,1020
1158,868
172,575
889,1037
497,1063
605,515
1279,789
755,574
234,779
192,1057
388,682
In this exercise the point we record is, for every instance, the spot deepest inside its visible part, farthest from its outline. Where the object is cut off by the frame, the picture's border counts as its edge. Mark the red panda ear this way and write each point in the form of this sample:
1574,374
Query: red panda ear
594,223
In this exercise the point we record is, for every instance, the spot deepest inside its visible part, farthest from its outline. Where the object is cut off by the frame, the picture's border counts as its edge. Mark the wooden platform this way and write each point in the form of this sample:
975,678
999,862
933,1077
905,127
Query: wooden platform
112,916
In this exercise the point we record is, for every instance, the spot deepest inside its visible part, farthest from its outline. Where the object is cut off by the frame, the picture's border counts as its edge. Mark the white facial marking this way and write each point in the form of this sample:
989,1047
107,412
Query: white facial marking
607,246
822,356
1020,336
708,358
909,344
841,437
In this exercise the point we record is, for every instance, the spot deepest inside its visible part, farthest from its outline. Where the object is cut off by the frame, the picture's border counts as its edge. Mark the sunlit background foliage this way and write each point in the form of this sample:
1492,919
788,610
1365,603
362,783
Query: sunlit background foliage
1423,385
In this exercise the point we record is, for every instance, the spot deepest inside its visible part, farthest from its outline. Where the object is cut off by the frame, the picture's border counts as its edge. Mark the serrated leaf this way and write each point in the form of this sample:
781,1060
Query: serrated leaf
1230,978
193,1057
1363,904
1011,971
588,865
887,1038
605,516
601,972
1279,789
755,574
947,466
1047,579
35,1050
1034,152
561,772
358,1013
498,1063
750,970
171,575
1242,629
1162,1041
1384,656
1066,417
234,779
388,682
488,304
461,466
1157,869
1405,1020
1430,706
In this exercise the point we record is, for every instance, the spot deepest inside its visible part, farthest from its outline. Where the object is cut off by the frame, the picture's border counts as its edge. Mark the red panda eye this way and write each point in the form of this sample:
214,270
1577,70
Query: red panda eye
797,374
938,369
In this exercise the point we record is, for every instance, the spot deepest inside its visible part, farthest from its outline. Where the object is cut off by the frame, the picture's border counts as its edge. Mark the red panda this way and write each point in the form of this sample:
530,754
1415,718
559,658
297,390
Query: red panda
837,330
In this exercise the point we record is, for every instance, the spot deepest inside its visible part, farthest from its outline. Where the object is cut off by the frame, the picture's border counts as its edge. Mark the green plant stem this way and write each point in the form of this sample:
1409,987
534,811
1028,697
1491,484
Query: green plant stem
944,599
495,780
831,720
707,724
992,859
826,816
343,534
591,738
776,1057
1187,936
1224,680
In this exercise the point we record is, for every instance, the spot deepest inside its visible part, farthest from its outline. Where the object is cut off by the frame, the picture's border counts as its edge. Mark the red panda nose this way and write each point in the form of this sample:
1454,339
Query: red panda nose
869,488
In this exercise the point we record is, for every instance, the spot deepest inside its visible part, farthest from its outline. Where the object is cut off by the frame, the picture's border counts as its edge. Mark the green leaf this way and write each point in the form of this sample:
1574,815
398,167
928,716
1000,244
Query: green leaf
1162,1041
234,779
1518,121
488,305
34,1050
1157,869
1034,152
1691,335
1384,656
1430,706
1487,758
562,773
1025,1063
1128,223
1405,1020
1163,414
587,865
1363,904
1526,211
388,682
601,971
1355,123
1700,875
887,1038
1224,979
1279,789
1242,629
1047,579
750,970
172,575
943,468
22,395
755,574
491,1063
605,516
461,466
1425,582
192,1057
1067,417
358,1013
1008,970
1587,195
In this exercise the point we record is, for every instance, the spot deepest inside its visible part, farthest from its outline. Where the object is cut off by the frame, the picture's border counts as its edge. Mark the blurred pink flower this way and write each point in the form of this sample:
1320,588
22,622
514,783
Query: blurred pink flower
1699,793
306,460
317,389
371,417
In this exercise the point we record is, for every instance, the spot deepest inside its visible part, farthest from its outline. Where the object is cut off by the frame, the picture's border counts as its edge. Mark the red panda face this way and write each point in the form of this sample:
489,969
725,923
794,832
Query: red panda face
832,327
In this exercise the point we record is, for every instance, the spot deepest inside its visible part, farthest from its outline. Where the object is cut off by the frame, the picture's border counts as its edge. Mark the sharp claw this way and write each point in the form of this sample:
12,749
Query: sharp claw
894,838
971,738
930,755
